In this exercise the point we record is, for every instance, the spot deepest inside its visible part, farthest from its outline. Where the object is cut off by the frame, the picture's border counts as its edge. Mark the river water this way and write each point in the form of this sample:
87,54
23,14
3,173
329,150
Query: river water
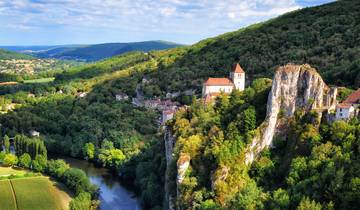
113,195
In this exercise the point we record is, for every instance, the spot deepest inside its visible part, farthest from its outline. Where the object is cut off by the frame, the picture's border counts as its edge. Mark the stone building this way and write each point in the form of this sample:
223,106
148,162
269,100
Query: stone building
212,87
350,107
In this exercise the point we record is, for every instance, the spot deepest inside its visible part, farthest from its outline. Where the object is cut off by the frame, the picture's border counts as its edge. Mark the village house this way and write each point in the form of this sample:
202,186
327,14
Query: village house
160,104
121,97
34,133
213,87
350,107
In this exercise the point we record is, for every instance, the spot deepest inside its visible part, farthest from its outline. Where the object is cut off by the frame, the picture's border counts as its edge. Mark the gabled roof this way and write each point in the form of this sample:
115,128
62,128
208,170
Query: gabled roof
353,98
219,82
344,106
237,69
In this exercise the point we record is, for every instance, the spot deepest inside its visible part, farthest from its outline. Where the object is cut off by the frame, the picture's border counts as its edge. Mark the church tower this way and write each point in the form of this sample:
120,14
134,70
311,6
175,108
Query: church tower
238,77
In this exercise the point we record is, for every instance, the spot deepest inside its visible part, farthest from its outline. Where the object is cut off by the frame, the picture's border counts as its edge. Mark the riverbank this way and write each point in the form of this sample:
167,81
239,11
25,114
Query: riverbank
113,193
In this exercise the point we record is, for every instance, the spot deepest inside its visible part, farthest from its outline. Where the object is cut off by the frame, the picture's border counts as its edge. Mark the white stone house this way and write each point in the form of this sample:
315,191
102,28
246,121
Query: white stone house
350,107
34,133
212,87
344,111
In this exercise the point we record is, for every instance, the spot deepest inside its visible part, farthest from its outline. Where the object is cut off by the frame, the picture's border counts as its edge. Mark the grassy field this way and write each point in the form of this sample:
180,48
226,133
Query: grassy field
41,80
7,171
7,200
31,193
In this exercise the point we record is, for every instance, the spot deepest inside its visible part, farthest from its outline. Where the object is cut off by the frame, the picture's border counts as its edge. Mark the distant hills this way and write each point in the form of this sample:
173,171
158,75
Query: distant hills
7,55
325,37
93,52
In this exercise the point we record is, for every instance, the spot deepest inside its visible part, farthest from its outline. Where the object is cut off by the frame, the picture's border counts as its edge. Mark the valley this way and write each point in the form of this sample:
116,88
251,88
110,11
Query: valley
89,53
266,117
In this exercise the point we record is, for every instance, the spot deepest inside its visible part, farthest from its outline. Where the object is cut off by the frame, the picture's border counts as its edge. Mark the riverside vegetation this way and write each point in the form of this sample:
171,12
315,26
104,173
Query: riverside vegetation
31,160
125,138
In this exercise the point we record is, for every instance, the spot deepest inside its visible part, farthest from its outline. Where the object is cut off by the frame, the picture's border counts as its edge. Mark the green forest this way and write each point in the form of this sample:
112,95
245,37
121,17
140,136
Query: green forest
313,169
117,135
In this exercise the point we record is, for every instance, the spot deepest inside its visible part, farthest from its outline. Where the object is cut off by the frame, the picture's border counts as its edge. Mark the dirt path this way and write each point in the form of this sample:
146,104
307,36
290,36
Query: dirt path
14,195
8,83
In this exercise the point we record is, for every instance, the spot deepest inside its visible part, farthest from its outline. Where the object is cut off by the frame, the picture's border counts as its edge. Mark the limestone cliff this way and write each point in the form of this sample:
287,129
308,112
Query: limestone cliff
182,164
169,147
293,87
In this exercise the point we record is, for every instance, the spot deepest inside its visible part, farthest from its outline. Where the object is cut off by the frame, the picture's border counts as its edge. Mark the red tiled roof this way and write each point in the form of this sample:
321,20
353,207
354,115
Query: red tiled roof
353,98
344,106
219,82
237,69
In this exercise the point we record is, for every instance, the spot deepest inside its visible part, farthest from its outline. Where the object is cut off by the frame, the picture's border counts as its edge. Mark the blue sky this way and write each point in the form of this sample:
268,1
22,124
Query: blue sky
50,22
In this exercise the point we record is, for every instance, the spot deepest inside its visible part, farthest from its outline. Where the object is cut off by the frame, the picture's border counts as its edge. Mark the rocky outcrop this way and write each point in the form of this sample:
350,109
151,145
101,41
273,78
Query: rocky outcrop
183,164
293,87
169,147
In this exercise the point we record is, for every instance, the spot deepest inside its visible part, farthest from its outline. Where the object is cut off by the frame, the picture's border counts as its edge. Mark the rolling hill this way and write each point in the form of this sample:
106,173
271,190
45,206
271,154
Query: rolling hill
327,37
7,55
91,52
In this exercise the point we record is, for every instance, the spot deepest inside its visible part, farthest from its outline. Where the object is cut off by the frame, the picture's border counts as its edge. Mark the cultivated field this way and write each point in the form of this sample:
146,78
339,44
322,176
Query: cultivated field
32,193
7,200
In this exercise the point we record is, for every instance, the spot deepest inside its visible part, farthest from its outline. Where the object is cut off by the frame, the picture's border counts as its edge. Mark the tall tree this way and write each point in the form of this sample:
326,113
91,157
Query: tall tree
7,144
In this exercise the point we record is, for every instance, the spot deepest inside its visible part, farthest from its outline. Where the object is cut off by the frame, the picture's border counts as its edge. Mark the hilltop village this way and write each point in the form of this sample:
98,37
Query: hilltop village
214,87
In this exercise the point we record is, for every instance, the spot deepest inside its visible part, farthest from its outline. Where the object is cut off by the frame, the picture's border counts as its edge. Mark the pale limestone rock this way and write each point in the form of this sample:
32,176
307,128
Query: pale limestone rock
294,86
182,165
169,147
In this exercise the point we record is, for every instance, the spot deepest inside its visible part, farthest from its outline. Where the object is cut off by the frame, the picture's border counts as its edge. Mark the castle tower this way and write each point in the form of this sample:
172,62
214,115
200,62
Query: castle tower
238,77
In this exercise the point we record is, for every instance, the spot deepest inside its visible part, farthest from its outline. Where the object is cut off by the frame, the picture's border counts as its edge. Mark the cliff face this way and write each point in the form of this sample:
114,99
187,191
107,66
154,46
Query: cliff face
169,147
294,86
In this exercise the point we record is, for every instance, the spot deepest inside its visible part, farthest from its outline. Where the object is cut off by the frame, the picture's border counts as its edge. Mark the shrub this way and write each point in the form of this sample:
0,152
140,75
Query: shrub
10,160
57,168
25,160
40,162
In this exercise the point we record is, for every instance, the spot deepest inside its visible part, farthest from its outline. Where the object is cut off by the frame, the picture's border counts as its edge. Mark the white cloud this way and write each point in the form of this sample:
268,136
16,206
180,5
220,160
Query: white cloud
167,11
167,16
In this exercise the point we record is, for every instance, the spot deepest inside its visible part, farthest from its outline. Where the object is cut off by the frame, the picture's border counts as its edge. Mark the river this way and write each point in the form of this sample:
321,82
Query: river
113,195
